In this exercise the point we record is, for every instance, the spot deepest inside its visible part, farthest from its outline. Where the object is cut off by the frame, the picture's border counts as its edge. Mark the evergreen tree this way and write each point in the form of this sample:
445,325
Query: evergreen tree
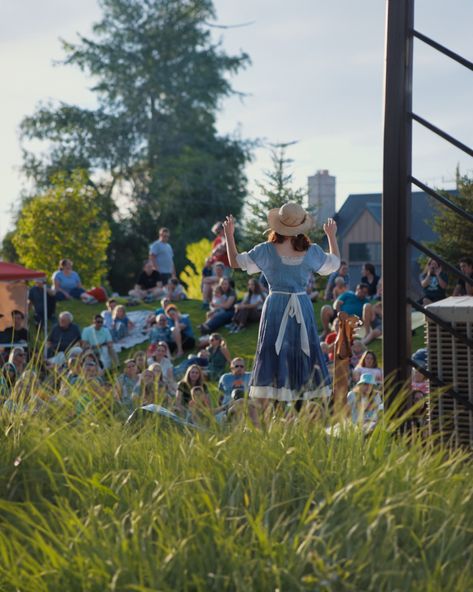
455,234
159,78
276,190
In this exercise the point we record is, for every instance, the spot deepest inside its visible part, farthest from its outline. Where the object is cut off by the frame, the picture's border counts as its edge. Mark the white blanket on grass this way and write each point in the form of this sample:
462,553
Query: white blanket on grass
135,336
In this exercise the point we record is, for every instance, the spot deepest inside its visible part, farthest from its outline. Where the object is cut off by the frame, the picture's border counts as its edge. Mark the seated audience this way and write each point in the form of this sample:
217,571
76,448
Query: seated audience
121,324
462,287
24,395
353,303
434,282
419,382
17,332
148,286
249,309
339,288
63,335
365,403
237,378
341,272
183,322
368,364
161,355
210,281
193,377
369,277
141,360
358,348
218,357
107,314
175,290
125,383
66,282
219,247
36,300
17,358
8,376
217,302
99,339
162,331
225,315
201,359
374,325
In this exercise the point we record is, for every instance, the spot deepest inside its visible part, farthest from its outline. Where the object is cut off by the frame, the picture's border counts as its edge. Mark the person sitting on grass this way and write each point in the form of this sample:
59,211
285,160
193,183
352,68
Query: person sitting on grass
64,335
434,282
107,314
193,377
90,388
141,360
210,281
148,390
99,339
175,290
24,397
237,378
17,332
201,358
217,302
219,356
125,383
368,363
161,331
7,380
121,324
375,327
183,322
148,286
162,356
249,309
365,403
353,303
66,282
339,287
225,315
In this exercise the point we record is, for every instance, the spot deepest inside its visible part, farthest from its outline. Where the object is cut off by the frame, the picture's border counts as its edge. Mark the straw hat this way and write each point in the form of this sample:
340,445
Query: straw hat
290,219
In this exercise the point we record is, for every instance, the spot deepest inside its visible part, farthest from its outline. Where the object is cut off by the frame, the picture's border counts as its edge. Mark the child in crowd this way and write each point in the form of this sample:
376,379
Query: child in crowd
419,382
107,314
218,299
175,290
339,287
368,363
121,324
365,402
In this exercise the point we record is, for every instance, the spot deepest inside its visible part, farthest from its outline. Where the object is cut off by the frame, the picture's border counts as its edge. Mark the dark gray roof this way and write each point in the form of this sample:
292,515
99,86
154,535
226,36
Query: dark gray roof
423,211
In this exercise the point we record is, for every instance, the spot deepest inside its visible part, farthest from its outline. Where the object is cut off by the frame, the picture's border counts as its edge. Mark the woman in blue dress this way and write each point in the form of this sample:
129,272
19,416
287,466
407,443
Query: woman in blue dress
289,365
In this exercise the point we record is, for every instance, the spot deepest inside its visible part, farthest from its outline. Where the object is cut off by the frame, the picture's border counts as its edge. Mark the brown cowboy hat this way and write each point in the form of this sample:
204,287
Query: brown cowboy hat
290,219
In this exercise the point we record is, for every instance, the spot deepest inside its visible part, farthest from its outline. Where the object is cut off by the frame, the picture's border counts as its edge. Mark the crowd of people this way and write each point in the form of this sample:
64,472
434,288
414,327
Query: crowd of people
175,369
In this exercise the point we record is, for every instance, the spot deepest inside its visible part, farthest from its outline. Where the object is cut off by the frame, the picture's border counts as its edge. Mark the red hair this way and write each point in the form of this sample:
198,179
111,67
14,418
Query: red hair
301,242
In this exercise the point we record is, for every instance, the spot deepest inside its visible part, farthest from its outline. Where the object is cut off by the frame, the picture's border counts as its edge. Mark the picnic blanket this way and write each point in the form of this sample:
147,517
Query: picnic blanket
135,336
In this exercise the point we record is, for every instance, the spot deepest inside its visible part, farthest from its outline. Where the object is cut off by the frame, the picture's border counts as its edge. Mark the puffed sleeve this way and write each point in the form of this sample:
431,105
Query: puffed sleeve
255,260
321,262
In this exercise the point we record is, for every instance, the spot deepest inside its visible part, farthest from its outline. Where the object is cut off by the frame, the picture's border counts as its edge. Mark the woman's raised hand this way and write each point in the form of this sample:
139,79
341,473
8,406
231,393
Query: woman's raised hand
330,227
229,225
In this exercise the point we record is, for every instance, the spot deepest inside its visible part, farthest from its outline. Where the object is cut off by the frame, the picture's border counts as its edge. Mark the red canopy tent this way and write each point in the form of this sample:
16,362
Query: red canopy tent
14,292
9,272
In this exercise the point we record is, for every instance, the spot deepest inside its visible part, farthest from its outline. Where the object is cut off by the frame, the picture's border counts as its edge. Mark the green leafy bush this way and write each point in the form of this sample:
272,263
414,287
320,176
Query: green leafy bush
191,276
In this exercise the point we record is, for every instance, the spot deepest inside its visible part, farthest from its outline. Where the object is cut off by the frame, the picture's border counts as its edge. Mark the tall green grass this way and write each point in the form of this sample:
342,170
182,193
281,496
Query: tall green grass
92,505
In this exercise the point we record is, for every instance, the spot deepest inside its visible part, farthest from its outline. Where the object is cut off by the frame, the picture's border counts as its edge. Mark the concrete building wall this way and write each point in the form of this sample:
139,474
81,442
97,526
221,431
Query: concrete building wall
321,193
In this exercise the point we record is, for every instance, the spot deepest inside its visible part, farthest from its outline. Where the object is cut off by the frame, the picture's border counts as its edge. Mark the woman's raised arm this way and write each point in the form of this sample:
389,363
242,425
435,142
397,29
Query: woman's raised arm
229,230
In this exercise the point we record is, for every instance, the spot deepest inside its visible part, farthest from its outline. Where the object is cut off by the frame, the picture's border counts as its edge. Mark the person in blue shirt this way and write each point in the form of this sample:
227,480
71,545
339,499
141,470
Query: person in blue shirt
161,256
66,282
353,303
237,378
183,322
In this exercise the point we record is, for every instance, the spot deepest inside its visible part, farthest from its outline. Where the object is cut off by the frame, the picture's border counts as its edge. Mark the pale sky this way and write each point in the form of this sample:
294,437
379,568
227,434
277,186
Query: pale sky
316,77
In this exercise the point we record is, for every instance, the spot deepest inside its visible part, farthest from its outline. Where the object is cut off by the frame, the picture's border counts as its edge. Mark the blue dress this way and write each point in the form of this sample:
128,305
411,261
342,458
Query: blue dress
289,363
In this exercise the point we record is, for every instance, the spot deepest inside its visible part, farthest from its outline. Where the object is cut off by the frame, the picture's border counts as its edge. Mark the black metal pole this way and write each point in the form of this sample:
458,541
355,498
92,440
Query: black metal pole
397,188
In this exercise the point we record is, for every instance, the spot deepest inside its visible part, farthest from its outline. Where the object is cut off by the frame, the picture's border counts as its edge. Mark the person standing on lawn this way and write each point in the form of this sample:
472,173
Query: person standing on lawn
289,364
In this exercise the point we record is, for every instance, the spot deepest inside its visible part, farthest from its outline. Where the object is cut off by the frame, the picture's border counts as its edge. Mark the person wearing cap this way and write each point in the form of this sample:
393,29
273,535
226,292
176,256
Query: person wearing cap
288,347
365,402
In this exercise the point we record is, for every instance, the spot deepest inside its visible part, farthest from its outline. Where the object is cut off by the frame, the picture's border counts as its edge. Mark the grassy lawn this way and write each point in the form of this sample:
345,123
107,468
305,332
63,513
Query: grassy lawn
89,504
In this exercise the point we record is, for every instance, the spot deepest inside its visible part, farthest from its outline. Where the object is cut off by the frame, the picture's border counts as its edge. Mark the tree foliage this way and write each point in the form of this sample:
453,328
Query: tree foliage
196,253
64,222
455,236
275,190
159,78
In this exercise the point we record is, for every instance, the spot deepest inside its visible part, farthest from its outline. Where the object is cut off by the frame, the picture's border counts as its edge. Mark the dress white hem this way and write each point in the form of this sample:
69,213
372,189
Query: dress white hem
285,394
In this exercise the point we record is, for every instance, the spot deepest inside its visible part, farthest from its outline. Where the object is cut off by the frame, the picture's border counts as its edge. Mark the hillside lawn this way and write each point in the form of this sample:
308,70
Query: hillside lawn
88,504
